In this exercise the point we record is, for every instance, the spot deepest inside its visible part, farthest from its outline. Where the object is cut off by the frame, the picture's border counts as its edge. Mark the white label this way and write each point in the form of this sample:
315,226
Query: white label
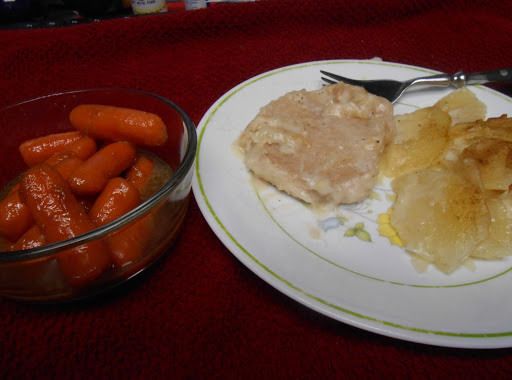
194,4
149,6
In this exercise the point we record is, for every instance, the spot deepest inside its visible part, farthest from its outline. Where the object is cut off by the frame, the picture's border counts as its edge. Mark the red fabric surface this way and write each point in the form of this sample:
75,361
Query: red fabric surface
200,313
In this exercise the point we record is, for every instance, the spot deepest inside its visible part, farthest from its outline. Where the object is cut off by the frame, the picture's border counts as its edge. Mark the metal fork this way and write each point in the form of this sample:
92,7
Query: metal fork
392,89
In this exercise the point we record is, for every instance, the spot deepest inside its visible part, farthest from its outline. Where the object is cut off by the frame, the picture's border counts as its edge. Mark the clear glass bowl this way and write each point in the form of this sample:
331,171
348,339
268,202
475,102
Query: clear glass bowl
33,275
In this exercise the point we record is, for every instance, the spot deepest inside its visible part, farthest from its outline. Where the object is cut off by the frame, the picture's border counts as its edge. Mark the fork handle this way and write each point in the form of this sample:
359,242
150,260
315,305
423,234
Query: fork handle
502,75
461,79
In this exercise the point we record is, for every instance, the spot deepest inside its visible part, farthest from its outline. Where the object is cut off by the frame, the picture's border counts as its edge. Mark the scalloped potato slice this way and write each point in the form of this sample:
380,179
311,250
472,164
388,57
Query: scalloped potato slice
499,242
463,106
464,134
493,158
440,215
420,141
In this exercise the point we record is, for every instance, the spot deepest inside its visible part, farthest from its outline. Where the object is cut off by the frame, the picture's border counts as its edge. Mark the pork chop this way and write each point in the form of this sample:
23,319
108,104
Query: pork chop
320,146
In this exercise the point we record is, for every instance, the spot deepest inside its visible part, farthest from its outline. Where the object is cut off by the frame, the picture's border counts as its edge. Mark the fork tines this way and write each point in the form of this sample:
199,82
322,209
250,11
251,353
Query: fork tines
338,78
330,81
332,75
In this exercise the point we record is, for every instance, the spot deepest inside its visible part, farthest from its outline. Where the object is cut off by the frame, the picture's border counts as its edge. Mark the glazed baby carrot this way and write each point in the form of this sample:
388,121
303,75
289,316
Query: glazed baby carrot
68,166
59,216
129,245
140,174
40,149
33,238
105,164
117,198
15,217
119,124
82,148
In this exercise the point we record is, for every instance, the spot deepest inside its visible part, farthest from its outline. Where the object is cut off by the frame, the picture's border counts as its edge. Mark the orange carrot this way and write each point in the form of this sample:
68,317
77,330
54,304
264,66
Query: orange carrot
107,163
119,124
59,216
68,166
15,217
117,198
140,173
40,149
82,148
129,245
33,238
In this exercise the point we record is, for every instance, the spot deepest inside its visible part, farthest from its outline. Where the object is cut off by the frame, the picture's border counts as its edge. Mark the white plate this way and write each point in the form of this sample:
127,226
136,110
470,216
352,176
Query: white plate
370,285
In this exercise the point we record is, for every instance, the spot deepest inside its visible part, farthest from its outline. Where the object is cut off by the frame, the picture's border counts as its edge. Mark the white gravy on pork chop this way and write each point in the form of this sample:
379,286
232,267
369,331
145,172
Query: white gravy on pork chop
320,146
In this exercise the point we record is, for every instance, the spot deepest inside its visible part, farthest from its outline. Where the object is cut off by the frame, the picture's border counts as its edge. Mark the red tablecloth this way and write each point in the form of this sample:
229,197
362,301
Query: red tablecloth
201,313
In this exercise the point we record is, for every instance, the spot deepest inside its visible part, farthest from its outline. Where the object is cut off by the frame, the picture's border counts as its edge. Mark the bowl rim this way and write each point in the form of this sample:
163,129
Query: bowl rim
169,187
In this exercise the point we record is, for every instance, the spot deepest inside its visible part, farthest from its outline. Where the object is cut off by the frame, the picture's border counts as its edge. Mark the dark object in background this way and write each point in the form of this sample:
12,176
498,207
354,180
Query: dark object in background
16,9
22,14
93,8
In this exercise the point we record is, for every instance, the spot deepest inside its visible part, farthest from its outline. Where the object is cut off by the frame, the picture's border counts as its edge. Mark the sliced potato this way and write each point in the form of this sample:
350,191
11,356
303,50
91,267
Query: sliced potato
493,158
420,141
463,106
499,242
440,215
464,134
460,208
